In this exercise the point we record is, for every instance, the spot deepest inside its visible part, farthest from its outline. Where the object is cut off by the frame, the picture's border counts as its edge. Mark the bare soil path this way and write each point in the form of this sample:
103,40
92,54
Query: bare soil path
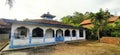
75,48
3,43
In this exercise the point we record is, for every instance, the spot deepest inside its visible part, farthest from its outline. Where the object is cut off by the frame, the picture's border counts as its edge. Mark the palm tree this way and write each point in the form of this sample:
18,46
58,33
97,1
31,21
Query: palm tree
100,20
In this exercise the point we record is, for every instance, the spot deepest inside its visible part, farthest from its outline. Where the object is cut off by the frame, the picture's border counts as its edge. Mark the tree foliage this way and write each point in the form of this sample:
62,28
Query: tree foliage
100,20
116,29
76,18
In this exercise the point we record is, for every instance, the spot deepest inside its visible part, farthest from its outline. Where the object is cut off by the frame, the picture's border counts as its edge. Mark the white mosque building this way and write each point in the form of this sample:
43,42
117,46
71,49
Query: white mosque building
40,32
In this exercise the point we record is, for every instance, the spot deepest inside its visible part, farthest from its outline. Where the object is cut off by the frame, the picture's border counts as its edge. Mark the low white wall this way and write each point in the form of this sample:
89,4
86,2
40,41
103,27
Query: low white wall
21,42
37,40
67,38
48,40
81,38
74,38
40,40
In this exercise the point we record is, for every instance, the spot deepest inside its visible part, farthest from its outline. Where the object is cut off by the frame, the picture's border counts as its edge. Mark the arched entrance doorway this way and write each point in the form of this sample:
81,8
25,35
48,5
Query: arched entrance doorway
67,33
49,33
59,33
73,33
37,32
21,32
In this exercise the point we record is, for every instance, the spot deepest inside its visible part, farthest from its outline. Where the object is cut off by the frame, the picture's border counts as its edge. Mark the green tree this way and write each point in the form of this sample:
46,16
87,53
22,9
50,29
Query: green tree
116,29
100,20
73,20
67,20
88,15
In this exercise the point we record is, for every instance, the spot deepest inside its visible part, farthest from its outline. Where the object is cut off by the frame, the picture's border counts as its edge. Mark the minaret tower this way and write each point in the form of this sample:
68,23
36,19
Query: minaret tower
48,16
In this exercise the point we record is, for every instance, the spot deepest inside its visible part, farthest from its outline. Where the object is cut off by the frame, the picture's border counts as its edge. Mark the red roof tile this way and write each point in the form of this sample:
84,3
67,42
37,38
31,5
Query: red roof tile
112,19
88,21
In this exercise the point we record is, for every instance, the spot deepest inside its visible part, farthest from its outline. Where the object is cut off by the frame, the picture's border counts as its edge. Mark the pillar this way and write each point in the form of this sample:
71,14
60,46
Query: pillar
55,34
44,34
71,34
12,36
63,33
30,36
84,34
11,40
77,33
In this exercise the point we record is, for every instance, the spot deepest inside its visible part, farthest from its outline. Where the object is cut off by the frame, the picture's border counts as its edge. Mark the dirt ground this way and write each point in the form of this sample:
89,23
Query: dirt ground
75,48
2,42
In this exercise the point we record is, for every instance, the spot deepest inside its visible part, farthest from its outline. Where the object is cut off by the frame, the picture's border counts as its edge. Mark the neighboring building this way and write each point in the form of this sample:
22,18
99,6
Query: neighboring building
4,30
88,24
41,32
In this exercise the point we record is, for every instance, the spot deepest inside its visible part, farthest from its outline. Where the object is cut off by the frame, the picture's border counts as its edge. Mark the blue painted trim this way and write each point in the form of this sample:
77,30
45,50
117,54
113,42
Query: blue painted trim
59,39
71,36
11,40
44,39
32,45
55,37
30,38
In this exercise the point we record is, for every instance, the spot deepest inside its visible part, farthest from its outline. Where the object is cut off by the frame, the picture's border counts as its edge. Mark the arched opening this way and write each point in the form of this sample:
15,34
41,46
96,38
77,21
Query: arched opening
67,33
73,33
37,32
21,32
59,33
49,33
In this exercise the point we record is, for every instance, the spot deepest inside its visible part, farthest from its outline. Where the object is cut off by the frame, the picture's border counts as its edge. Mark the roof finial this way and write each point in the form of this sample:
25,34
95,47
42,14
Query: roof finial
48,16
48,12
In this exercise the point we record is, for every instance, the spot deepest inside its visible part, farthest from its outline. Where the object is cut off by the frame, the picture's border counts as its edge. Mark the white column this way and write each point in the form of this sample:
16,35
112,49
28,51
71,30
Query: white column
11,40
55,32
44,34
63,32
12,36
71,34
77,33
30,36
84,34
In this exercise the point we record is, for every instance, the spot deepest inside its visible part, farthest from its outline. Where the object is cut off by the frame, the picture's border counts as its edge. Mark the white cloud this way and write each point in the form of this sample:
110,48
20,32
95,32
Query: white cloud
34,8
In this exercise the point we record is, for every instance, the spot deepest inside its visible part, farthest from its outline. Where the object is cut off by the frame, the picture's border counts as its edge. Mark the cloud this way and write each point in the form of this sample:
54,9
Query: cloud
32,9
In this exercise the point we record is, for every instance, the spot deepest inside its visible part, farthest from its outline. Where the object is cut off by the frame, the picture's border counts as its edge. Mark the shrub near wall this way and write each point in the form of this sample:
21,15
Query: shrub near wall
110,40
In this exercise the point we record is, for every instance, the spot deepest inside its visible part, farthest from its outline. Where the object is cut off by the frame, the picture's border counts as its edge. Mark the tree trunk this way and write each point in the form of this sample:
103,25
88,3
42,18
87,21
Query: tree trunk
98,34
116,35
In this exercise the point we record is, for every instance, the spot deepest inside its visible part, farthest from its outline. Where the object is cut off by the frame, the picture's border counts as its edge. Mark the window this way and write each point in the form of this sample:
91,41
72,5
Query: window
21,32
49,33
59,33
67,33
73,33
37,32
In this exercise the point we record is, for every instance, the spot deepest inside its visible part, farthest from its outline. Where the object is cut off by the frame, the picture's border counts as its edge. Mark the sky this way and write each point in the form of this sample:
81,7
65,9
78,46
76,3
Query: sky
33,9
